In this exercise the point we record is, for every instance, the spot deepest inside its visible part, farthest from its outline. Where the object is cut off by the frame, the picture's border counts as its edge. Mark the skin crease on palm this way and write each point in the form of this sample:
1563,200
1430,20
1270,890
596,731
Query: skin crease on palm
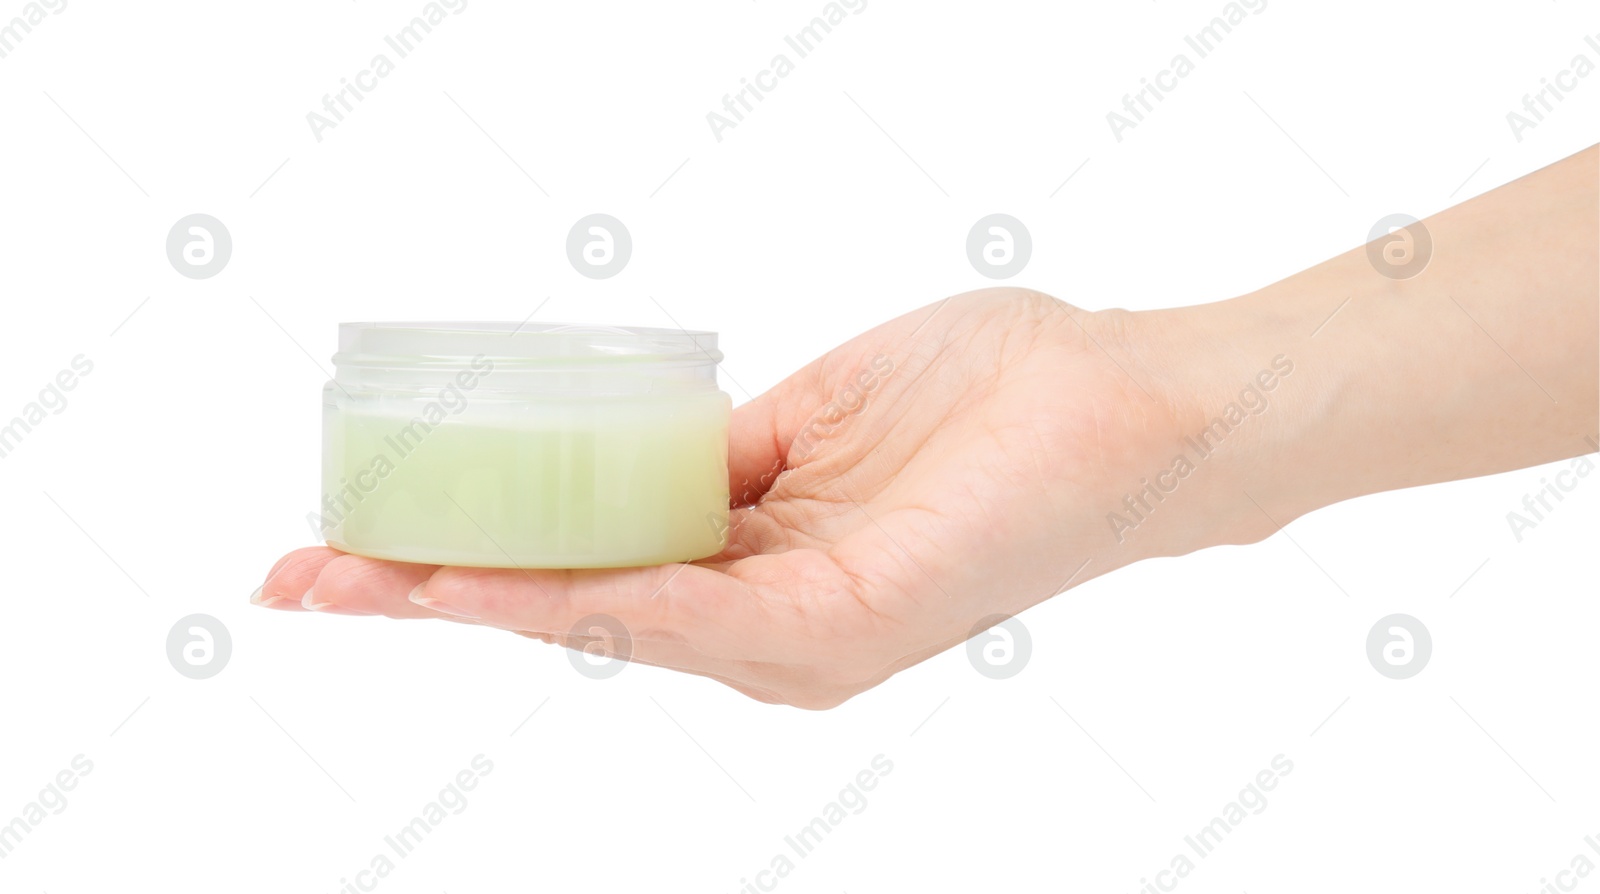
977,477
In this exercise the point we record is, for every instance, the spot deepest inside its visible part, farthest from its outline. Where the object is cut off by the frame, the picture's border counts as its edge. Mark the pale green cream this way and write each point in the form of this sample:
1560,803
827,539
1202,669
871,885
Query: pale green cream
564,484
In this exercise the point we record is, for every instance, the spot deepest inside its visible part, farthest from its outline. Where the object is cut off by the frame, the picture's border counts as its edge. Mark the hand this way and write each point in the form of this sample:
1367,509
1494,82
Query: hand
950,465
977,456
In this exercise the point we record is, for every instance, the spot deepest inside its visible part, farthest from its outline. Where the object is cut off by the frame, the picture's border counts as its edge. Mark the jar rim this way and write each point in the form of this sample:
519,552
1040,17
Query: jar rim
535,344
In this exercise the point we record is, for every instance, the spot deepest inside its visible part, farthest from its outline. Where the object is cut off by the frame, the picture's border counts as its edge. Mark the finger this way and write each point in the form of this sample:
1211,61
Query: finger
763,434
358,585
777,430
686,603
759,434
288,581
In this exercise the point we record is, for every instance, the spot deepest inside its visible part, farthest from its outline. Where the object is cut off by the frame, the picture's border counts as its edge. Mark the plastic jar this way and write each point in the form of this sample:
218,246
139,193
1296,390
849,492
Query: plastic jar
534,446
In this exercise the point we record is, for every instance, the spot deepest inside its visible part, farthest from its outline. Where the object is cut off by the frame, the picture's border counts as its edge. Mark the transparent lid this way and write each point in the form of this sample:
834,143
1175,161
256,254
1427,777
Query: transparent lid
526,357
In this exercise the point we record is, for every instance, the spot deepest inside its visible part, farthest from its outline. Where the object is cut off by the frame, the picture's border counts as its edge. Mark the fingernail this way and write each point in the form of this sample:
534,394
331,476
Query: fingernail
435,605
309,601
263,600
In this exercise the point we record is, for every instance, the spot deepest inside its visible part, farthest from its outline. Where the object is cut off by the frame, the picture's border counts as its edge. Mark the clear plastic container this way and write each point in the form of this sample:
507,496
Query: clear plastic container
533,446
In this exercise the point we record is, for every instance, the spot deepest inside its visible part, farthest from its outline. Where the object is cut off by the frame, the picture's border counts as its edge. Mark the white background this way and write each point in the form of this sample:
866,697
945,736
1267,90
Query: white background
190,454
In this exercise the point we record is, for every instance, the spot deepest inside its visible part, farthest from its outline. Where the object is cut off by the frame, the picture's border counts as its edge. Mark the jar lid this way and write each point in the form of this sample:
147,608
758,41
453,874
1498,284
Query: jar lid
526,358
522,344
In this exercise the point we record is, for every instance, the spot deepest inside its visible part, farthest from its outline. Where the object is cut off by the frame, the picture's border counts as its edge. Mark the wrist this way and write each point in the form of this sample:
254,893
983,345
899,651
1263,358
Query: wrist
1233,383
1483,362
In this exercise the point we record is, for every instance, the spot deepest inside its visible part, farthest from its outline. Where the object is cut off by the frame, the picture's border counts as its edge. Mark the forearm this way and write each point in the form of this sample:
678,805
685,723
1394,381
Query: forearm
1484,362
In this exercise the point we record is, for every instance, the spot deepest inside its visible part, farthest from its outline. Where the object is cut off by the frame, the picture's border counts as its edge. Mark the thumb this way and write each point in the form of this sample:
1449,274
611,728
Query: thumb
763,432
